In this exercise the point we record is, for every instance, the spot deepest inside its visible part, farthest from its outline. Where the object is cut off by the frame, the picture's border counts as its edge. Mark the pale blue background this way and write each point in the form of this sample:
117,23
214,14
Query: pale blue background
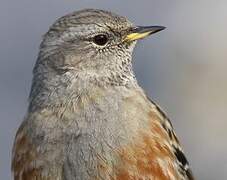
183,68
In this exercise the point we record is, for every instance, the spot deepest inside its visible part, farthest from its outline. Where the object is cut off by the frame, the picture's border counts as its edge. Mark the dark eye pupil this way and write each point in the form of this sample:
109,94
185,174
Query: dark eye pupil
100,39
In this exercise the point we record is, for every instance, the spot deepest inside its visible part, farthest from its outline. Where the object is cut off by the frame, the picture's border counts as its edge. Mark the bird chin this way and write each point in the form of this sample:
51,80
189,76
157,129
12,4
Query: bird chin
131,45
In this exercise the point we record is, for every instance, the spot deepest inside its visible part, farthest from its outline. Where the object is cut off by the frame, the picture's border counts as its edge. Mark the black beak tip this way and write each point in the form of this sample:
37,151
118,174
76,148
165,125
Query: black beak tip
151,29
162,27
158,28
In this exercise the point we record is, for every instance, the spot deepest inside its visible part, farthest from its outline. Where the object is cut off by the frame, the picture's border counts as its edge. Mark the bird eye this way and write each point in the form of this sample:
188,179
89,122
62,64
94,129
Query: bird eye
100,39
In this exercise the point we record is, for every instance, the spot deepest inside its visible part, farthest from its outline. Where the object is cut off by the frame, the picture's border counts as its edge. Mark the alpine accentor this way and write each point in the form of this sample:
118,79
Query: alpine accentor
87,117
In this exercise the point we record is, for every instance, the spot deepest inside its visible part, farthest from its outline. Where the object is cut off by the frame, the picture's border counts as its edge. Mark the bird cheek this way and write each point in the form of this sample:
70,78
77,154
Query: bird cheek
73,60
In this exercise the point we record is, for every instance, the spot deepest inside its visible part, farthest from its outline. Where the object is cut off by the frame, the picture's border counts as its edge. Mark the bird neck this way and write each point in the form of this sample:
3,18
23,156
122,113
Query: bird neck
54,89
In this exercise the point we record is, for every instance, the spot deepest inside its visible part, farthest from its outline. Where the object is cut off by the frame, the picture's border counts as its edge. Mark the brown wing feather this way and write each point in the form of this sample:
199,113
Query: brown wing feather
24,155
176,147
27,162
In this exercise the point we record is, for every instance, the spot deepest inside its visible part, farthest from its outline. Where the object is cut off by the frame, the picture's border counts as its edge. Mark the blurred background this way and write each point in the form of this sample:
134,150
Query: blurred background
184,69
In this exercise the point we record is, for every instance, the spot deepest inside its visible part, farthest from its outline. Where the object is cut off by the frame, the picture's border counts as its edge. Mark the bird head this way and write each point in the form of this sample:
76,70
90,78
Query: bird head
92,41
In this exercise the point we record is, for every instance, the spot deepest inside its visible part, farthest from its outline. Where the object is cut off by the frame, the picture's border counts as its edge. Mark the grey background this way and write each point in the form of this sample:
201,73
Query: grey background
183,68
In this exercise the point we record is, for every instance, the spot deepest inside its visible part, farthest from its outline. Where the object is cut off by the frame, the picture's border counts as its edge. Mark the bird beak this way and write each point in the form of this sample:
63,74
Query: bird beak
141,32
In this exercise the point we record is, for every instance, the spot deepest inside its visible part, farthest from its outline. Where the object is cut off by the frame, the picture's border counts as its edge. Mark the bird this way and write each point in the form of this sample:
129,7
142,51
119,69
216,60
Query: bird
87,116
